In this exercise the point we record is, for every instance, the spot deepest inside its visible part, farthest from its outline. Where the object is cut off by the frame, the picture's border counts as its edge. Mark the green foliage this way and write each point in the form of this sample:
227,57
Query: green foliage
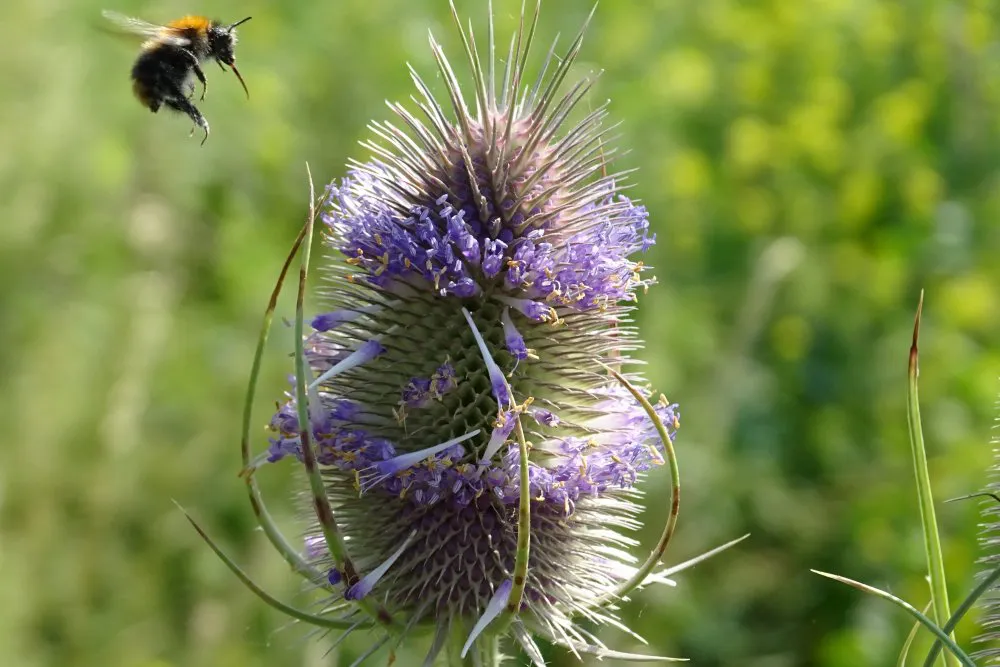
809,168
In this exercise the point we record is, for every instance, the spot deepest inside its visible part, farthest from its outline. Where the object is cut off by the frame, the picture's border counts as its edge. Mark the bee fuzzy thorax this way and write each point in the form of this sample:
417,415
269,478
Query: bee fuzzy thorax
196,23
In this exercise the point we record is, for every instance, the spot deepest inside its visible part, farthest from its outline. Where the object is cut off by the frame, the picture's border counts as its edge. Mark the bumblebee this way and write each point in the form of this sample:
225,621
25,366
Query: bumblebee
171,57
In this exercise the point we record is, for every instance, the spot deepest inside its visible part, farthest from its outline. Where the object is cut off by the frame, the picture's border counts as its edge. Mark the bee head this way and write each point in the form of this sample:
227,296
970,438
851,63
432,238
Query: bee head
221,42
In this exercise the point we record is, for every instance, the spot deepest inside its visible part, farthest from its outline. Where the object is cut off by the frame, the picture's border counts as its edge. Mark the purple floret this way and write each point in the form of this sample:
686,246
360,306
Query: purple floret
578,467
456,255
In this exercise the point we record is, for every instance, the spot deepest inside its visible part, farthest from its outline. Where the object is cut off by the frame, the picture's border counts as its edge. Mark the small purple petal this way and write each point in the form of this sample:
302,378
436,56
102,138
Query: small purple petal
443,380
512,337
497,381
463,288
365,353
315,547
501,431
328,321
345,410
539,312
282,447
544,417
493,609
417,393
493,255
368,582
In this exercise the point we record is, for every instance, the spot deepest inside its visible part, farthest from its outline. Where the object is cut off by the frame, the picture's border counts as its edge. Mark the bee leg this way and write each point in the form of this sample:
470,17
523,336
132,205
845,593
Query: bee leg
181,104
201,77
196,66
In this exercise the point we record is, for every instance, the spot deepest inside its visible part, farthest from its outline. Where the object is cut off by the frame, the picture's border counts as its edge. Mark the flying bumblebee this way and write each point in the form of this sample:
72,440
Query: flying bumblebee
171,57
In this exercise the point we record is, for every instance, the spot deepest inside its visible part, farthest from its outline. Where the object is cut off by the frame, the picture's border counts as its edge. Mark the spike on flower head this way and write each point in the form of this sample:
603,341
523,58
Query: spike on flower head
481,228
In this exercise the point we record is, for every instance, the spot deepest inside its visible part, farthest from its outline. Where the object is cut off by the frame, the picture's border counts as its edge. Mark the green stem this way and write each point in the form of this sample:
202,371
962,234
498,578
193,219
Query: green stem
334,540
932,542
520,575
321,503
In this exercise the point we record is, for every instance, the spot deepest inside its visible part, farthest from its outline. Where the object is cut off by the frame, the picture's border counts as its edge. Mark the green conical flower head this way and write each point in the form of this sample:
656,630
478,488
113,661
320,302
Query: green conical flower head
480,275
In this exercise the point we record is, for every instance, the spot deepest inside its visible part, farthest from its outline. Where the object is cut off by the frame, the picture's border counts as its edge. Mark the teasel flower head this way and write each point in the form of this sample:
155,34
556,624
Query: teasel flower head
471,444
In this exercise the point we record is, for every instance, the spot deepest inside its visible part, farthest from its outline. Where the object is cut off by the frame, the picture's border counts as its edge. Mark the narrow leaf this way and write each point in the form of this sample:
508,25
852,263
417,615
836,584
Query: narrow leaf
908,608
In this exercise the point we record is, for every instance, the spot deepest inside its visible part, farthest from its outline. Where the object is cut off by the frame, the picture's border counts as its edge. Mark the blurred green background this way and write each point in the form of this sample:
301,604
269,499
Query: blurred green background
809,167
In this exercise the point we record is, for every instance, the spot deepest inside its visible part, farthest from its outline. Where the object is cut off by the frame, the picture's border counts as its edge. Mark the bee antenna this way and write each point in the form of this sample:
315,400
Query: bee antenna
230,28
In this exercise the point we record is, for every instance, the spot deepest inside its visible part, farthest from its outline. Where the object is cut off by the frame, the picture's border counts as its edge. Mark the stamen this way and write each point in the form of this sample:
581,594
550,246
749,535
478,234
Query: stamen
368,351
493,609
500,389
367,583
512,337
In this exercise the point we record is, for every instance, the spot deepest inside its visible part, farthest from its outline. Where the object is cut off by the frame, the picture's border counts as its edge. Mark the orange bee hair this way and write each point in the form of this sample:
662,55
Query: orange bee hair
198,24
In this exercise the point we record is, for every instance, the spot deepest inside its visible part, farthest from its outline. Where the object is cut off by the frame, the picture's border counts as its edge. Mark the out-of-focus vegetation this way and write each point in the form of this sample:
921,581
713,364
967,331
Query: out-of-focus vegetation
809,167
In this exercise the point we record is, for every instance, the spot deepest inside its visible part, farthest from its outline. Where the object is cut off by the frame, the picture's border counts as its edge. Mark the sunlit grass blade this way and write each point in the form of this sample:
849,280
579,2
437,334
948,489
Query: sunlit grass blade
303,616
956,652
932,541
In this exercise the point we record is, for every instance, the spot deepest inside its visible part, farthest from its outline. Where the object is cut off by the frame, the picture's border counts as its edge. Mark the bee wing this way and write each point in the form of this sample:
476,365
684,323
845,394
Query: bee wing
134,26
